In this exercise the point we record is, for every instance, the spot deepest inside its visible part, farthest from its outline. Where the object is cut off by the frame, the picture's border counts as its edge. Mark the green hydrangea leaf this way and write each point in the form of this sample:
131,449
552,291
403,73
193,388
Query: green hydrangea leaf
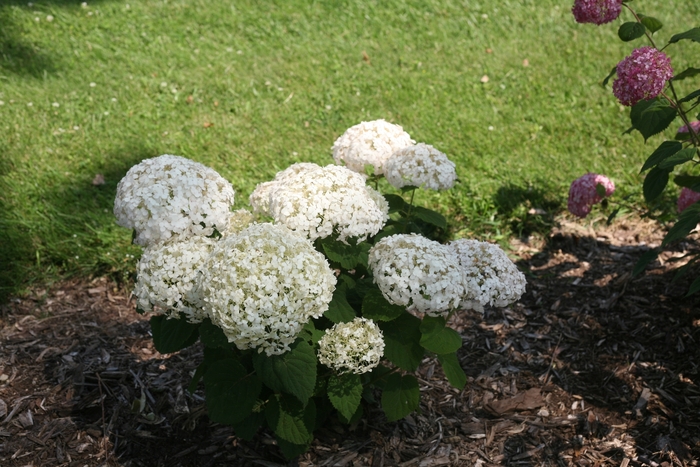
171,335
651,23
231,391
345,393
665,150
453,370
652,116
430,216
400,396
438,338
630,31
678,158
293,372
691,34
290,419
654,183
686,222
339,309
212,335
375,307
402,342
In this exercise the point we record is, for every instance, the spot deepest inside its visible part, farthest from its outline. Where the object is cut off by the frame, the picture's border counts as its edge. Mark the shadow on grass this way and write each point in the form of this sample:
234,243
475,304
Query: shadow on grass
19,55
529,209
39,245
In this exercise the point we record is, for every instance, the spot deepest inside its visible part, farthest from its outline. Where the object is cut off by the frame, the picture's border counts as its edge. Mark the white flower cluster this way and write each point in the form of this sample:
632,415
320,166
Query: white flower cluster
167,274
260,198
369,143
354,347
172,196
239,220
422,166
262,285
418,273
318,202
490,277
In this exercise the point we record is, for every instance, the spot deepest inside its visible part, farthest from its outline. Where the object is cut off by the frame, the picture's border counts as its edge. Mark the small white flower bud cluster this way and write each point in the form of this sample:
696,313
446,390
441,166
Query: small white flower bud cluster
490,277
354,347
262,285
422,166
418,273
369,143
167,275
171,196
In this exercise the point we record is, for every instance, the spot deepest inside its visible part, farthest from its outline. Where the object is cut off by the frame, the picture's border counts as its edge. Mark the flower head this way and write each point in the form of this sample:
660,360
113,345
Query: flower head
260,198
262,285
596,11
239,220
369,143
686,198
167,275
354,347
171,196
583,193
642,75
320,202
418,273
490,277
420,165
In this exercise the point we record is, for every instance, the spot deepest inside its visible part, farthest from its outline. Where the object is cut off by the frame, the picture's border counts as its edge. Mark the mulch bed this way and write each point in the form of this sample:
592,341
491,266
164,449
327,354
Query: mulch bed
592,367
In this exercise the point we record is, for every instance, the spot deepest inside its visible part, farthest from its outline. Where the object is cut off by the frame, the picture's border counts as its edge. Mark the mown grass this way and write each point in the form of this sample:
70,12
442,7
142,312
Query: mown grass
250,87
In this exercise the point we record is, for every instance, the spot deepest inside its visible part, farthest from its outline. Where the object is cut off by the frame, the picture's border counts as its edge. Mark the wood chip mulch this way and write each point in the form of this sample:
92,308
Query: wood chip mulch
591,368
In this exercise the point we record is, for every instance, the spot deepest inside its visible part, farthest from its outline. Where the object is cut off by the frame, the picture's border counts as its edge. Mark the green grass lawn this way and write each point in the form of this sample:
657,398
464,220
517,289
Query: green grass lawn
249,87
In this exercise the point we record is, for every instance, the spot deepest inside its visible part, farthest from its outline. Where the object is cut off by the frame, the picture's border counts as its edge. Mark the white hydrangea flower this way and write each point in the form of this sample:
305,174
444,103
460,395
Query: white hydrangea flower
354,347
262,285
239,220
490,277
167,274
260,197
418,273
333,199
369,143
171,196
420,165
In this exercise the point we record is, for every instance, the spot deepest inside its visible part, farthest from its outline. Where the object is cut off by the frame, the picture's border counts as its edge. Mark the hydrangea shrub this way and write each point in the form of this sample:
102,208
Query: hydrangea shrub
323,298
658,95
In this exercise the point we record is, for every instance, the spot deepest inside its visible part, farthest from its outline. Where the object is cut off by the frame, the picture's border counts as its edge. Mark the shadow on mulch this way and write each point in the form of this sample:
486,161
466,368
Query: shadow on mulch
591,367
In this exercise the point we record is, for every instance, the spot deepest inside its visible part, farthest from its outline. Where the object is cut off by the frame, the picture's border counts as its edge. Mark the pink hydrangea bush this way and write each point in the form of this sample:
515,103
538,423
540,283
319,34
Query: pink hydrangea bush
694,125
642,75
583,193
596,11
686,198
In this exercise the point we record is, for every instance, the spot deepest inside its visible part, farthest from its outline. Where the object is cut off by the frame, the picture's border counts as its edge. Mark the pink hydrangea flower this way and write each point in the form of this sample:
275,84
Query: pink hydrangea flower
686,198
642,75
596,11
694,125
583,193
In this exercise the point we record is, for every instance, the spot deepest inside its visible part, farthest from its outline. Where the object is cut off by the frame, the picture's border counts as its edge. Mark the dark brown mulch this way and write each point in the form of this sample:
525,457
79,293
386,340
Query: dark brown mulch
592,367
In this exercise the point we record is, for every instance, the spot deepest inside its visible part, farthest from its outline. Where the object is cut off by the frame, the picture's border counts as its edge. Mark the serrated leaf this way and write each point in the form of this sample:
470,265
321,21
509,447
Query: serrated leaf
212,335
690,96
355,417
687,73
248,427
312,334
339,310
396,203
691,34
196,377
678,158
630,31
687,181
438,338
644,260
402,342
231,392
348,256
453,370
171,335
686,222
430,216
290,450
400,396
375,307
665,150
610,75
612,216
293,372
694,287
654,118
654,183
290,419
345,393
651,23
